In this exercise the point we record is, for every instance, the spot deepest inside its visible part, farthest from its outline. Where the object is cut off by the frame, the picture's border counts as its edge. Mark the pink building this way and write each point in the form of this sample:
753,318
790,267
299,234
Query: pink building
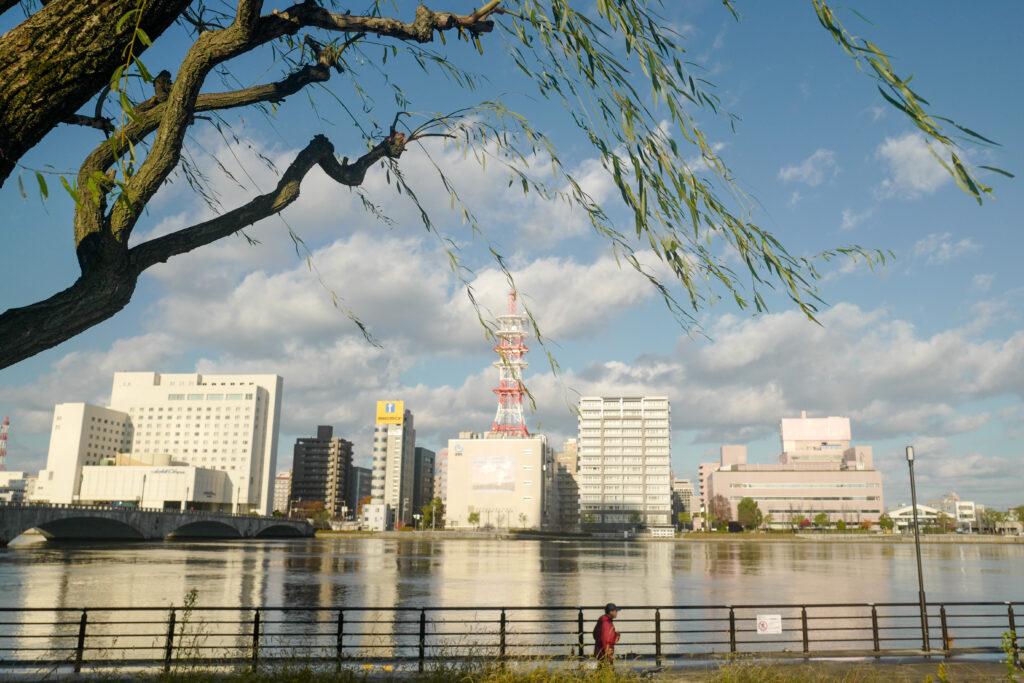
818,471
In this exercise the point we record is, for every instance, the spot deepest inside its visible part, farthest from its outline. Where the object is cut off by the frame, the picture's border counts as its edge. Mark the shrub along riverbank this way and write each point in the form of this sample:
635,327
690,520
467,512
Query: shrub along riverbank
735,671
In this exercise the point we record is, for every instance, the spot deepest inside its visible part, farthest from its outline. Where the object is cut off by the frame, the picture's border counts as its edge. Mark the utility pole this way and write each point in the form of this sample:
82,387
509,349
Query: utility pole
917,548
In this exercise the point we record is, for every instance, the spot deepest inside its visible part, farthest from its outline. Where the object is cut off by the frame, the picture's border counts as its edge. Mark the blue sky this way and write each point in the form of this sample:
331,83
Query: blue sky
928,350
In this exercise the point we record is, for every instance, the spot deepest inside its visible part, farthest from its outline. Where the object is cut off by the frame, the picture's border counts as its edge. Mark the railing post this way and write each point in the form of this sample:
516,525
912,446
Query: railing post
580,628
341,637
423,637
1013,632
657,637
255,639
80,649
169,646
946,645
501,633
732,630
803,627
874,626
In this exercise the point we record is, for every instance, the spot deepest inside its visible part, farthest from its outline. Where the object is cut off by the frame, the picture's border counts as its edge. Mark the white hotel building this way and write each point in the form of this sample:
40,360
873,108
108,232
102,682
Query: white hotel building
624,463
208,441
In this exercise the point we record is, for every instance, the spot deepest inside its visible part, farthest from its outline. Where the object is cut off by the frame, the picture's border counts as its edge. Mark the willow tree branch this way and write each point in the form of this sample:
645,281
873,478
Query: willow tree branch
319,152
246,32
98,122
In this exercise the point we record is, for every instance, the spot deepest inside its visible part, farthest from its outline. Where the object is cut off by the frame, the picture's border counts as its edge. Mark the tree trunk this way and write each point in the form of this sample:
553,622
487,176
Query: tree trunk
94,297
59,58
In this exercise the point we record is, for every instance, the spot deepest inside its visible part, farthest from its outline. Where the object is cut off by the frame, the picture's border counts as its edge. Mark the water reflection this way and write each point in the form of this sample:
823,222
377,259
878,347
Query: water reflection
378,572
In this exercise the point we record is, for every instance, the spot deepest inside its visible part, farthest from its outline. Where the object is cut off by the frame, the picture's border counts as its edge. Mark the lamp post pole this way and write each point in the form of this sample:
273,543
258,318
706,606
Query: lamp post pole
917,549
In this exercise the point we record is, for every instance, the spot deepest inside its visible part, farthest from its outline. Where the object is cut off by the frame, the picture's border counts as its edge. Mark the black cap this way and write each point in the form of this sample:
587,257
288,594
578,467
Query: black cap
610,607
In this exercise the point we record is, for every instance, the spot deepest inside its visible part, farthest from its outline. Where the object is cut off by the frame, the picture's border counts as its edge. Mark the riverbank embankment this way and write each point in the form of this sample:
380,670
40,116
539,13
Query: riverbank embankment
695,537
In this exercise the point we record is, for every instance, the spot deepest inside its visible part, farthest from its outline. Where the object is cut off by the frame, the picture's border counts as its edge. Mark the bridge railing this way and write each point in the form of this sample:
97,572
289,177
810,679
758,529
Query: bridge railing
173,638
122,508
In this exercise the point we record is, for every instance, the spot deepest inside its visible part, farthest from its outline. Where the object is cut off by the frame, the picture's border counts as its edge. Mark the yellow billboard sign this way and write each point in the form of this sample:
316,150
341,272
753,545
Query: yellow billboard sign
390,412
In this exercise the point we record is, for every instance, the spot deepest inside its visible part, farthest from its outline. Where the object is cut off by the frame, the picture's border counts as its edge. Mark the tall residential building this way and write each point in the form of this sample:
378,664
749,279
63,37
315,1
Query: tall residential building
282,491
394,461
441,475
423,475
320,471
359,487
818,471
222,423
682,498
567,468
624,463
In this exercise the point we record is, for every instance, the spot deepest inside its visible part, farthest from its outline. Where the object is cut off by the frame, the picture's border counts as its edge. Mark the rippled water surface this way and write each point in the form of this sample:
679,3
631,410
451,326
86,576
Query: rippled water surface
389,572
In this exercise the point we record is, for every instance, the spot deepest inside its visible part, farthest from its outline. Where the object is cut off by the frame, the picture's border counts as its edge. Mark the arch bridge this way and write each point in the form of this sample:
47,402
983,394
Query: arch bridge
94,522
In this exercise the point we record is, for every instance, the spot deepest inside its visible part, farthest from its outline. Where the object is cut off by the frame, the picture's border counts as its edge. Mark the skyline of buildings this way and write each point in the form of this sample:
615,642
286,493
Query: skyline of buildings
168,440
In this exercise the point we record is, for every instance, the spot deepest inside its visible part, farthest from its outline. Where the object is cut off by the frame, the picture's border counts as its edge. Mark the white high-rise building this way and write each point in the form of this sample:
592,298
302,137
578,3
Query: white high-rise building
394,462
624,455
227,423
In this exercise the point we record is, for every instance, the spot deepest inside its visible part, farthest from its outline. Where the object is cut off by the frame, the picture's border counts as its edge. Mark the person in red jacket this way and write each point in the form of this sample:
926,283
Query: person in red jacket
605,635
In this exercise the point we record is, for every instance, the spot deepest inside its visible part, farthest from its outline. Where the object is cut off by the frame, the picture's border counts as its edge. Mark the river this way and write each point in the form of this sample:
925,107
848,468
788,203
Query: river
409,572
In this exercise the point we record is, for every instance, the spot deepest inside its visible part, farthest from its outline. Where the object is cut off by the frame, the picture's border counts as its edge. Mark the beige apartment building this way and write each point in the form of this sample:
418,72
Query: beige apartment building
505,482
624,456
818,471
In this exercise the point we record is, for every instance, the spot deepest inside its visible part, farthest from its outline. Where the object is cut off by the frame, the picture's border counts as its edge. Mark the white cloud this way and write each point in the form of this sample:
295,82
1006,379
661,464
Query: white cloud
794,198
851,219
937,249
982,282
913,169
813,170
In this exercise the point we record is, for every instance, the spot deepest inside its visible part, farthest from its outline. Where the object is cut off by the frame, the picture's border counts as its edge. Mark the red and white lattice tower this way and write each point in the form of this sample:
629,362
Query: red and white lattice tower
509,421
3,442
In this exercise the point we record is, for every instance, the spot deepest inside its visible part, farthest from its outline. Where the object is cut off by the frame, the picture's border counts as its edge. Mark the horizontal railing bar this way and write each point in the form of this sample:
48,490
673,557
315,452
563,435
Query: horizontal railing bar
496,608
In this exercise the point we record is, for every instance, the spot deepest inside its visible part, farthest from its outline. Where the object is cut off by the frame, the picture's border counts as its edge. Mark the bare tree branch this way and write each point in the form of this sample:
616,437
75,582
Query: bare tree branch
319,151
98,122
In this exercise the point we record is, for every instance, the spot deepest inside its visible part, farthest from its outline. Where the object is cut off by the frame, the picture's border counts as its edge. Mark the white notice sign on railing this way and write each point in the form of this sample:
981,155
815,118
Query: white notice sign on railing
768,624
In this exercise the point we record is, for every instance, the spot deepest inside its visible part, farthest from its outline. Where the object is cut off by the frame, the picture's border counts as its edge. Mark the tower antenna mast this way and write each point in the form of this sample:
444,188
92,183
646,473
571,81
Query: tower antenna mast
512,329
3,442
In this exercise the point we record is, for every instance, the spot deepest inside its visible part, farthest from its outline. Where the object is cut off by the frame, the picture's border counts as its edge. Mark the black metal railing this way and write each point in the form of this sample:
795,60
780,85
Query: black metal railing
150,638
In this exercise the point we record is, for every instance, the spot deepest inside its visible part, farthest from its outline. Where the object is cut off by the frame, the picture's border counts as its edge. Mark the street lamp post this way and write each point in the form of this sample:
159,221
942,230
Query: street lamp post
917,549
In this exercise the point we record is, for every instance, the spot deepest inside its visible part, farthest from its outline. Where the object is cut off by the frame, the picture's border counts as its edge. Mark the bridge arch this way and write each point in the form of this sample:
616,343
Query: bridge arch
279,531
205,528
86,527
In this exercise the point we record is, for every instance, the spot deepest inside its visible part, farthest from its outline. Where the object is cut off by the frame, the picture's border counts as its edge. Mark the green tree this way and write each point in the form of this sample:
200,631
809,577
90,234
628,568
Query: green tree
615,69
841,525
474,518
885,522
748,514
1018,513
587,518
636,519
768,520
944,522
522,519
821,520
685,519
433,514
990,519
